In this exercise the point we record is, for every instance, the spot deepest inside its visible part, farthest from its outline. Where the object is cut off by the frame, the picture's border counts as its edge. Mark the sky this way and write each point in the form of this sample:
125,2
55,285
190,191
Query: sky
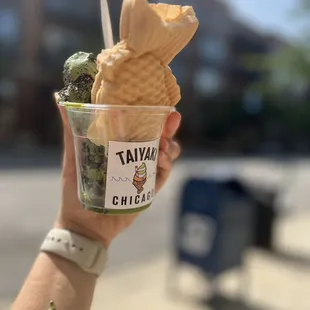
268,14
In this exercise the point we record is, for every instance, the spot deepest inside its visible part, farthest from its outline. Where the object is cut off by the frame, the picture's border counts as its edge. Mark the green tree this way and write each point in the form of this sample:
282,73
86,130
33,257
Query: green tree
287,68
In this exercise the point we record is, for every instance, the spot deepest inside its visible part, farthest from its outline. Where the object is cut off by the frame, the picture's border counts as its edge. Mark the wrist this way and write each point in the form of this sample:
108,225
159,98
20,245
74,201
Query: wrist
81,230
90,255
65,264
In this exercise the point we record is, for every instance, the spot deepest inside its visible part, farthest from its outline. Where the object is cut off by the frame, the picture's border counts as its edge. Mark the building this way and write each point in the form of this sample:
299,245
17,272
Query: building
37,36
9,47
41,34
213,69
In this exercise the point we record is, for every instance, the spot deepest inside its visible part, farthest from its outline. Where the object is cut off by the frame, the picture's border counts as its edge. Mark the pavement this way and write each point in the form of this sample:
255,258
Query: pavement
266,283
31,197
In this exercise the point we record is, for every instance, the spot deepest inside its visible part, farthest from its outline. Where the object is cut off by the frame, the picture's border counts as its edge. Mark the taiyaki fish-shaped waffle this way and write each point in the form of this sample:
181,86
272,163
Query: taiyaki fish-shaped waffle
136,70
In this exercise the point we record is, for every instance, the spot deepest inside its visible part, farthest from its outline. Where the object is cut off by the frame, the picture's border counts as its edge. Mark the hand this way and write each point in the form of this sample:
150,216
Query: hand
105,228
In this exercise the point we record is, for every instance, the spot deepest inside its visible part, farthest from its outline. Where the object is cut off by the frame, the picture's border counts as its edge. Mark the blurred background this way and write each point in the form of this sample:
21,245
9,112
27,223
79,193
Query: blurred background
229,231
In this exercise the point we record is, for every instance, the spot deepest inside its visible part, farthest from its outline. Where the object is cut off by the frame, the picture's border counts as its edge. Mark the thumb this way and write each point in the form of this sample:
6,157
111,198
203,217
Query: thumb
69,156
172,125
63,113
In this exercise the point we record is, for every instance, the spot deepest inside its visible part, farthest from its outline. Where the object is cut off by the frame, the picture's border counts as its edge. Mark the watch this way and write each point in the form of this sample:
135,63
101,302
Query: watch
89,255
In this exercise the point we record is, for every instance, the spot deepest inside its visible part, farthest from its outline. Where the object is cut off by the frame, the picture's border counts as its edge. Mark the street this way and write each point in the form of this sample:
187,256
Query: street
30,199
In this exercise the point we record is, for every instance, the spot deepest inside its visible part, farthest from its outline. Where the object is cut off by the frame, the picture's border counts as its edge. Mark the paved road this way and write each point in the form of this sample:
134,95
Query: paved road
30,199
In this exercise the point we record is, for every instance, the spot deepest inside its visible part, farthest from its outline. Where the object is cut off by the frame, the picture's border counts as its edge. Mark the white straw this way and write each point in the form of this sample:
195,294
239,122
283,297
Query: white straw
106,25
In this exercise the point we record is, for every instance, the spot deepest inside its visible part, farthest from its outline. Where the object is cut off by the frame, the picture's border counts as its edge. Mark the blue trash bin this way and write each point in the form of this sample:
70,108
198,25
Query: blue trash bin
214,225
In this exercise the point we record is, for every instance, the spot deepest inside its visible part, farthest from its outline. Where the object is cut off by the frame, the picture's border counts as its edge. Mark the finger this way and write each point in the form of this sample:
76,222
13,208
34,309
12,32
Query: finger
69,168
172,125
170,147
163,170
68,138
64,117
162,177
174,150
164,144
164,161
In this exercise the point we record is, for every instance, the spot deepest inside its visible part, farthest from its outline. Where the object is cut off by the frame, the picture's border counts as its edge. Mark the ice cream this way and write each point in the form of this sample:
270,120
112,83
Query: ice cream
136,70
79,75
129,93
140,177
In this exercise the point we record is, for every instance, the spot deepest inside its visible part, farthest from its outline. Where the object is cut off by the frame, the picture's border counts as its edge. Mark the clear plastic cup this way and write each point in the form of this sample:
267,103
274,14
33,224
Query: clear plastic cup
116,151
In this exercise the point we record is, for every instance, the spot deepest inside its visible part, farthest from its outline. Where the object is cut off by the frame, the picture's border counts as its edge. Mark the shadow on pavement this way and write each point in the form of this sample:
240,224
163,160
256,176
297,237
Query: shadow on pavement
220,302
301,261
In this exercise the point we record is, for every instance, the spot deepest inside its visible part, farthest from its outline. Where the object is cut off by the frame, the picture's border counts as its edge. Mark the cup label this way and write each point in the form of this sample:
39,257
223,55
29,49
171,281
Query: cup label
131,174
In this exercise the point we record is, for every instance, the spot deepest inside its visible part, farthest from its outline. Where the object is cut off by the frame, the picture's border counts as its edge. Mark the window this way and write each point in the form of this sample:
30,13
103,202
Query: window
208,82
56,5
8,88
9,27
56,39
179,69
213,48
252,102
76,8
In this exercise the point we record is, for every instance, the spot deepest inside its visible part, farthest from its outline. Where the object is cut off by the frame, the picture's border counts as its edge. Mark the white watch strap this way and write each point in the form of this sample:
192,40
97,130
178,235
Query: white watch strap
89,255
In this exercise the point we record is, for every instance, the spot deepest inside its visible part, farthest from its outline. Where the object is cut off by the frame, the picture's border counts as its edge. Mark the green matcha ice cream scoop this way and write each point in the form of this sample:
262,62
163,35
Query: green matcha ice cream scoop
79,75
79,64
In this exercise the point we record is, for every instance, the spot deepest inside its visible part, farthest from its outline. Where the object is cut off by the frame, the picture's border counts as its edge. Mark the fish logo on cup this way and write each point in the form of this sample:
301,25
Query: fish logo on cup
140,178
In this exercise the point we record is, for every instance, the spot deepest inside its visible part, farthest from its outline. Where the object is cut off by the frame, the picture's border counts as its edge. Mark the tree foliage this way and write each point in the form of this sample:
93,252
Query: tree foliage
287,68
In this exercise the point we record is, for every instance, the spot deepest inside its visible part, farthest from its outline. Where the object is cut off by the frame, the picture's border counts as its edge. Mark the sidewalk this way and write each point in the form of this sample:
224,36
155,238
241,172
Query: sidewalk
4,304
271,283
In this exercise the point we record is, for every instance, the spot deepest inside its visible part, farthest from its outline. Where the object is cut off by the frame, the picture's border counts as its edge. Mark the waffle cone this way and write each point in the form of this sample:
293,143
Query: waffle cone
136,70
139,185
